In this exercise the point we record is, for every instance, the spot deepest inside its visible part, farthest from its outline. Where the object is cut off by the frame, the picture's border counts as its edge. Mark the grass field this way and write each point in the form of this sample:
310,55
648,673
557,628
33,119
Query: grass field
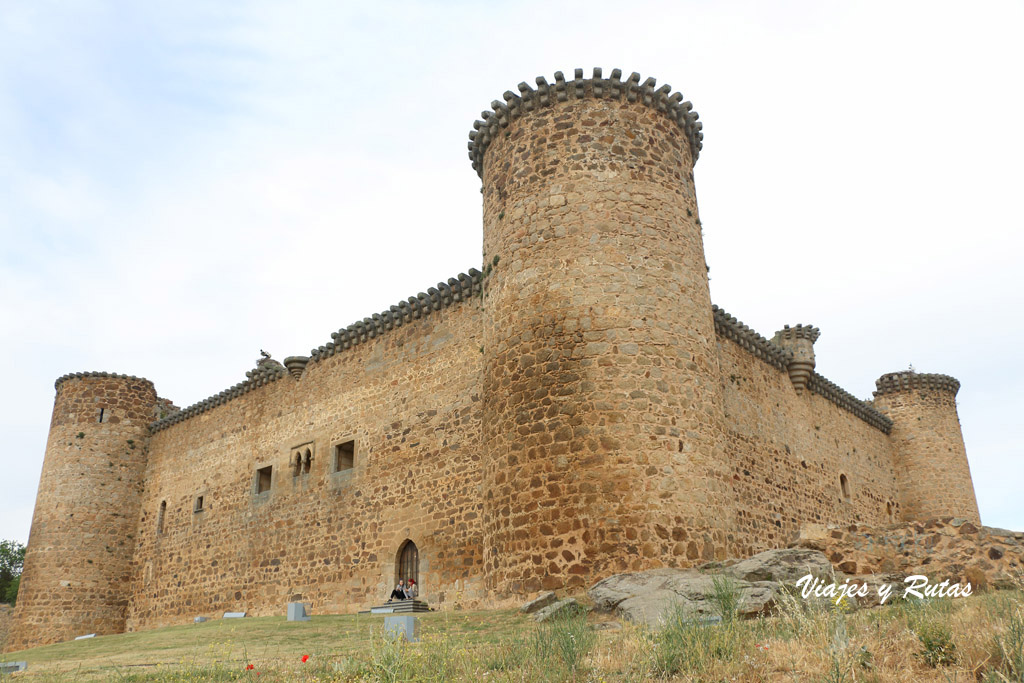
969,639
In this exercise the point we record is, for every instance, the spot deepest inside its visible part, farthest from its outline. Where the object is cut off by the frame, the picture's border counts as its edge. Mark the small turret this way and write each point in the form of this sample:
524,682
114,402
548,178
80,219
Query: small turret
79,551
932,472
800,340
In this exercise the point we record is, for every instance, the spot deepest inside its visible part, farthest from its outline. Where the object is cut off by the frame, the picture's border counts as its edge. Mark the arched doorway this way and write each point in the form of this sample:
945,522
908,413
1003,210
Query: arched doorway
408,564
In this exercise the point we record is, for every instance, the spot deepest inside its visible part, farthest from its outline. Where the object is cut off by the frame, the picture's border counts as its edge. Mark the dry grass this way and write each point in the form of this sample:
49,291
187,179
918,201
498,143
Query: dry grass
974,639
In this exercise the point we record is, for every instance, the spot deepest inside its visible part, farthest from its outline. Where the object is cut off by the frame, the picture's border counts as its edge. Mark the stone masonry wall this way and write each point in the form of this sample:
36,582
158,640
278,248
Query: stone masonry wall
602,402
788,451
78,559
411,400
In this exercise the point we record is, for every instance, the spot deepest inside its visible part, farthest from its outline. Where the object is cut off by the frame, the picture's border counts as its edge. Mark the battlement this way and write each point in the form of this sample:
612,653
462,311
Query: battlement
808,332
908,380
731,328
779,357
112,375
612,88
456,290
847,401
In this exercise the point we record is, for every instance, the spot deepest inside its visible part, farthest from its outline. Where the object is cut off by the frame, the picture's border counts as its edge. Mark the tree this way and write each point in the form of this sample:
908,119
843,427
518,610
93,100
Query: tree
12,557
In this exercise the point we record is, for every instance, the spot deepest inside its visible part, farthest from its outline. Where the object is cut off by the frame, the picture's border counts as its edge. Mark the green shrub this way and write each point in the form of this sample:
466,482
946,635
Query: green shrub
937,641
565,639
687,645
725,596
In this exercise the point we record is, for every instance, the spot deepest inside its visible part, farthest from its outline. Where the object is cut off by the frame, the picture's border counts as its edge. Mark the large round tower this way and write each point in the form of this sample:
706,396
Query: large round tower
600,408
932,472
79,551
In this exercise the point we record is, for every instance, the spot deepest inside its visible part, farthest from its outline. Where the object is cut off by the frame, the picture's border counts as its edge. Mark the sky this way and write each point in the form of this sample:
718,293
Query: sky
183,184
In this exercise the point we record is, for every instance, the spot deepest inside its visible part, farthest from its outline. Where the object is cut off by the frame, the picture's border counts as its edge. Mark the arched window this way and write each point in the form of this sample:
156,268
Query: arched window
307,462
160,517
844,484
889,512
298,464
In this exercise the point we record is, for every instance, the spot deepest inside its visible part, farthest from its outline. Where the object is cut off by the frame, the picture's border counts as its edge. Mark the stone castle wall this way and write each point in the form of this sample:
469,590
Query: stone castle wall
578,409
788,451
409,398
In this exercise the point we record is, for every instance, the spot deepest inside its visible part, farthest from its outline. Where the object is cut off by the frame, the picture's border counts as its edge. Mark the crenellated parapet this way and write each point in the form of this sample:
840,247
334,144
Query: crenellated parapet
112,375
456,290
611,88
780,357
729,327
261,376
797,333
847,401
908,380
415,307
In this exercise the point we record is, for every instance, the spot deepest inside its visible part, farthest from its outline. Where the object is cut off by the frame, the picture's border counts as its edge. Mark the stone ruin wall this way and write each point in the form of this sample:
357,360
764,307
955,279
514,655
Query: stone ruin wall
411,399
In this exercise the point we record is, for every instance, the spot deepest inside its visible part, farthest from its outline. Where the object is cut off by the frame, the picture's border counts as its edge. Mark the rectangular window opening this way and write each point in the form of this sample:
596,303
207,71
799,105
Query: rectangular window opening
198,507
344,456
264,478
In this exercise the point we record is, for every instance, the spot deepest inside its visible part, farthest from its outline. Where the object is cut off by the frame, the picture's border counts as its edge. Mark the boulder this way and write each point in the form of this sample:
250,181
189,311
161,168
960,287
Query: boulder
539,602
784,566
560,608
649,597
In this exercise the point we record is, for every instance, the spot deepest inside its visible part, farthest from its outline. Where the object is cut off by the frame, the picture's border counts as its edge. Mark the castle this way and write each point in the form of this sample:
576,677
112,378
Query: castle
575,409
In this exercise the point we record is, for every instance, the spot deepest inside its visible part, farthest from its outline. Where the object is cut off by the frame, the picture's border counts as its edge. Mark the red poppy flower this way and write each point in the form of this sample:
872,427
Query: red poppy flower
250,667
305,658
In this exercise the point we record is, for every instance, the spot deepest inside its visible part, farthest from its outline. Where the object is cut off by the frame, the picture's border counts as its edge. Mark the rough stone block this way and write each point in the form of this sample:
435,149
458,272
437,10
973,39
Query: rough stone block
198,620
402,626
560,608
539,602
297,612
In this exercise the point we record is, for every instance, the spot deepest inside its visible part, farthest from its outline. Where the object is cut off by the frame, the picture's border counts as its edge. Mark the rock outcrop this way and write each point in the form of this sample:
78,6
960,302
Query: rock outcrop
946,548
647,597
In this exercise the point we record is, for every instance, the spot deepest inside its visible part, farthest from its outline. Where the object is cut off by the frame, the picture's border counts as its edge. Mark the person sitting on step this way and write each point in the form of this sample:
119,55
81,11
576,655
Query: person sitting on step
399,592
412,590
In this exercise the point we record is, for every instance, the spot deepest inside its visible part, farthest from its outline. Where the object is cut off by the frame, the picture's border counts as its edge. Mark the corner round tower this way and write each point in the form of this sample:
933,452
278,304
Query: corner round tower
77,563
932,472
601,402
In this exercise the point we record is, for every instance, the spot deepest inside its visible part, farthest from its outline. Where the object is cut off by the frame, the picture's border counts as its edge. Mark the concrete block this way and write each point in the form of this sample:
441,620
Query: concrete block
12,667
89,635
199,620
297,612
403,626
234,615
